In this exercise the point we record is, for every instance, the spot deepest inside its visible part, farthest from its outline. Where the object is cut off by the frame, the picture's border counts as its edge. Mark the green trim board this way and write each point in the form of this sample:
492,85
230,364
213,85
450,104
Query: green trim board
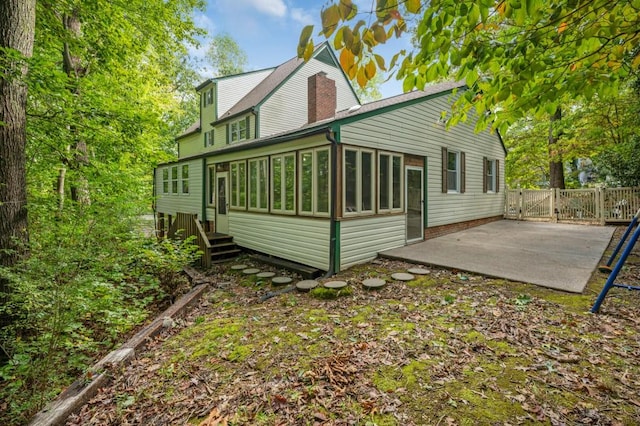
425,195
204,189
337,266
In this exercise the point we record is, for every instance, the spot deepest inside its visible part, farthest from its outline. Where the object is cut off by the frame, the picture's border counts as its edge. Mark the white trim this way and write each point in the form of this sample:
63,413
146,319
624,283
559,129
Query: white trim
391,209
314,182
283,183
406,208
358,190
259,189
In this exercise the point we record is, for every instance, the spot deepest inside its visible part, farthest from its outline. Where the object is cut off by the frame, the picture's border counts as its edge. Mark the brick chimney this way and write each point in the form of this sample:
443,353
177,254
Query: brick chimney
321,97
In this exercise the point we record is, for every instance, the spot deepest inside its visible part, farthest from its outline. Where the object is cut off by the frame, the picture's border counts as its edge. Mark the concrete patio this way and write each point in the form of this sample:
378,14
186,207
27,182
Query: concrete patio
555,255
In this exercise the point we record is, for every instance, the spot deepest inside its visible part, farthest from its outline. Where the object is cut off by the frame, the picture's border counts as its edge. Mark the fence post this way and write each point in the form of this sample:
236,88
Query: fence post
601,196
555,193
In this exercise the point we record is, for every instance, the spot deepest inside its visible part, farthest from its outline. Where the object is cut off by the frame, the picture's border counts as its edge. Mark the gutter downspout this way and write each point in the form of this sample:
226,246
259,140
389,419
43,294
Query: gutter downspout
205,177
153,202
332,225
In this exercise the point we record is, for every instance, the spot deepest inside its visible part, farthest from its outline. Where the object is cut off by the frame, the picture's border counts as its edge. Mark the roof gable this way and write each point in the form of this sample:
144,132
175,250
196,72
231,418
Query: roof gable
276,79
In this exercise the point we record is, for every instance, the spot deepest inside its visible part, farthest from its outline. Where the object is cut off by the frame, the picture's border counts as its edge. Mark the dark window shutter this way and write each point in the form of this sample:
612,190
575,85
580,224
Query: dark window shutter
497,176
444,169
463,173
248,121
484,174
228,134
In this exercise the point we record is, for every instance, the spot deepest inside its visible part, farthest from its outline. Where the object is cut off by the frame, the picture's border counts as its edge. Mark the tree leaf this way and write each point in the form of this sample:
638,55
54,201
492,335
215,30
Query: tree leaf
330,18
413,6
381,63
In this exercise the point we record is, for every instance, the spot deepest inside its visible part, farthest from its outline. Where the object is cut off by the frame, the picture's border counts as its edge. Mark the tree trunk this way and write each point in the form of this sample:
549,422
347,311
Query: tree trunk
72,65
556,167
17,28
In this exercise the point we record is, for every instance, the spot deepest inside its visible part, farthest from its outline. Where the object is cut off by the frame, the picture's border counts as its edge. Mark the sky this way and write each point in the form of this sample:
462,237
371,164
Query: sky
268,31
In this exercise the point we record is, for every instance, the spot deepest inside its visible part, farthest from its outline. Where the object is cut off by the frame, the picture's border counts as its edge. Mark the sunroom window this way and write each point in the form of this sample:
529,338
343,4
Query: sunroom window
283,175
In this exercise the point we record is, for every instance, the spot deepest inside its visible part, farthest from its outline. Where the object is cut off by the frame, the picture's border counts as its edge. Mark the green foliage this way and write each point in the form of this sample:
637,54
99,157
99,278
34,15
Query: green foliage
89,280
226,56
329,293
518,57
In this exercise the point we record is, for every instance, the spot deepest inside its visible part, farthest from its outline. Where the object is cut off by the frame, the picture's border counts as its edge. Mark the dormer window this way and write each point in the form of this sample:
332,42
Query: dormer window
238,130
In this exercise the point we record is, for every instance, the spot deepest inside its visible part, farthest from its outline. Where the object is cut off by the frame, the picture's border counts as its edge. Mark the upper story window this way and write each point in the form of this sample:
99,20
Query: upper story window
314,187
208,138
490,175
174,179
238,130
358,166
165,180
389,182
207,97
184,179
453,171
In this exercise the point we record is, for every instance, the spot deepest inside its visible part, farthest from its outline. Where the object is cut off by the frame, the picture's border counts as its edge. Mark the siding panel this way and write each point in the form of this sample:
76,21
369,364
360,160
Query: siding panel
362,239
183,203
287,108
301,240
232,89
416,130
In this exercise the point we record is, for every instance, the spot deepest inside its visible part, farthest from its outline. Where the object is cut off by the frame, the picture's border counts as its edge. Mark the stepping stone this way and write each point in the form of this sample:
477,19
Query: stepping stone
238,267
419,271
250,271
373,283
281,280
402,276
306,285
336,285
266,274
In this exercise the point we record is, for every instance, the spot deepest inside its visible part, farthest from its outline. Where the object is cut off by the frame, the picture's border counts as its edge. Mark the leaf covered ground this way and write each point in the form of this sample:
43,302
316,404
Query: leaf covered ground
447,348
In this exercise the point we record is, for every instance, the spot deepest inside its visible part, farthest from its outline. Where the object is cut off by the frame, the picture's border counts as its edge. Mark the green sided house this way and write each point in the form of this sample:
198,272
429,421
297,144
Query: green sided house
287,162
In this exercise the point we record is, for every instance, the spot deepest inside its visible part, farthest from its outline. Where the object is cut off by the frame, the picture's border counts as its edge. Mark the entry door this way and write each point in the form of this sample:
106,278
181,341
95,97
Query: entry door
222,205
415,204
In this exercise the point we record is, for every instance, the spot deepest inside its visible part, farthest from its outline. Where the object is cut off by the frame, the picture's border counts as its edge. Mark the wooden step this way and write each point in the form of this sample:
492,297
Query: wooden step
307,272
220,247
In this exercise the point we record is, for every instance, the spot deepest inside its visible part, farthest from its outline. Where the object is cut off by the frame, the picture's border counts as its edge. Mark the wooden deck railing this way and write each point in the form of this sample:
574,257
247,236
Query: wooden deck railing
601,205
187,225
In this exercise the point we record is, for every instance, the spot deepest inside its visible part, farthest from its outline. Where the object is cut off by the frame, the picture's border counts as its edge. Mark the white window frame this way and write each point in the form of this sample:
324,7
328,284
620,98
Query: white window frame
184,179
283,184
359,181
237,202
314,183
389,183
457,172
165,180
207,96
174,180
236,128
260,187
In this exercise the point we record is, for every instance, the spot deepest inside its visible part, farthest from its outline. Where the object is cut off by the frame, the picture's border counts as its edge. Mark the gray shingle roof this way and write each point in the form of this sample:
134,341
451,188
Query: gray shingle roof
267,86
394,100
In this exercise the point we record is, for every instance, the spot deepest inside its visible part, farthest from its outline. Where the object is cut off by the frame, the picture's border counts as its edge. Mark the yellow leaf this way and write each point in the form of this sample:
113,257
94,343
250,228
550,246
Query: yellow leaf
308,51
346,60
370,70
413,6
362,78
338,41
380,61
563,26
368,38
500,8
346,9
330,18
636,62
305,39
379,33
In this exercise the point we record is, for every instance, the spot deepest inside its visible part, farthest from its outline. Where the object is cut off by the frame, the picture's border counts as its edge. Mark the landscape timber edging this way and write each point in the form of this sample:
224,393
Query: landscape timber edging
84,388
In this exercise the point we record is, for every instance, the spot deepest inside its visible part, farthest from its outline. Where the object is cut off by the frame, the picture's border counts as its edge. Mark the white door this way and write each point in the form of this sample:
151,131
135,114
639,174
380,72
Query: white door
415,204
222,204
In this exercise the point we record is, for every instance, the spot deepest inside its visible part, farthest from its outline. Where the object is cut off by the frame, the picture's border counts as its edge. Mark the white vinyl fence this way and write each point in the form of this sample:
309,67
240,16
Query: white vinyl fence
592,205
